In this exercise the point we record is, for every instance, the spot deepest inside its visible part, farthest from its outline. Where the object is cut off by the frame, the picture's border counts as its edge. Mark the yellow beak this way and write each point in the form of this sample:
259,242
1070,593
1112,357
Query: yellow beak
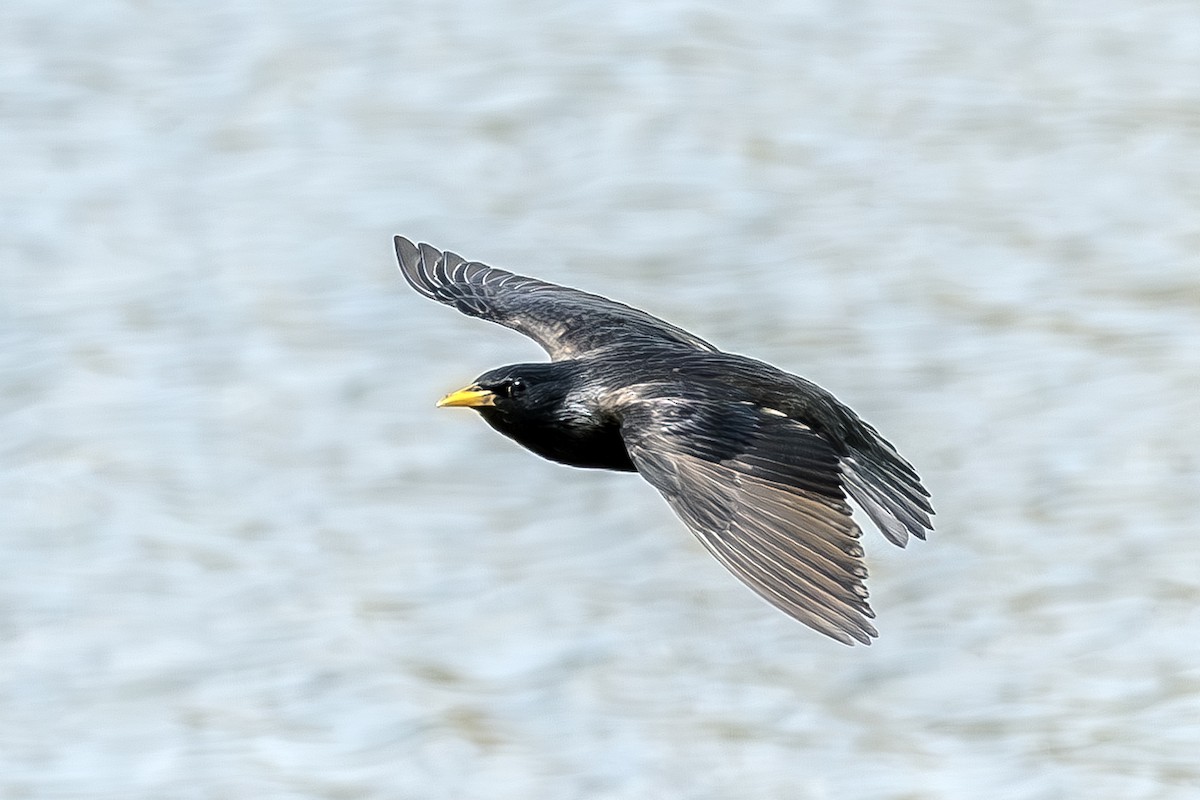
472,397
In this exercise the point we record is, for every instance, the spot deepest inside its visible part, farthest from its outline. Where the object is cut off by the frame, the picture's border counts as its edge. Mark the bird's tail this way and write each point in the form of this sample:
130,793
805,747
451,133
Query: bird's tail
888,489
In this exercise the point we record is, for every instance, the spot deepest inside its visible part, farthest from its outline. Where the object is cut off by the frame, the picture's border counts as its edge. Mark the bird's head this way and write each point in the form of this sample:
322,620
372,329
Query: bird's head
519,395
550,409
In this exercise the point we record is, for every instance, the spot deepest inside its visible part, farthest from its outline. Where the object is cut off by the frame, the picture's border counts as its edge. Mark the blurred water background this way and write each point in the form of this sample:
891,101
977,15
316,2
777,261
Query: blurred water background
241,555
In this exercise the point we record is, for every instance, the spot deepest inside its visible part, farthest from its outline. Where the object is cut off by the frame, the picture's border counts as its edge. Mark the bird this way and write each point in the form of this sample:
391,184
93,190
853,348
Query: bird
758,463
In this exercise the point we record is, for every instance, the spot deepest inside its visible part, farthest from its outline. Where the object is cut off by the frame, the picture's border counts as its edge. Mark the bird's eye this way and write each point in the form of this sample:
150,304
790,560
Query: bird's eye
514,387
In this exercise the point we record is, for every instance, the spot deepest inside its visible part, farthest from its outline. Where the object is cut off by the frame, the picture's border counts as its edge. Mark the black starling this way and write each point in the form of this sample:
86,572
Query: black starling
757,462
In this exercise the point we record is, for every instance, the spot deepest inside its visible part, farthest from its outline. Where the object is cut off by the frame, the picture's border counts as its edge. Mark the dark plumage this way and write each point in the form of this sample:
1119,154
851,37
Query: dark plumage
756,461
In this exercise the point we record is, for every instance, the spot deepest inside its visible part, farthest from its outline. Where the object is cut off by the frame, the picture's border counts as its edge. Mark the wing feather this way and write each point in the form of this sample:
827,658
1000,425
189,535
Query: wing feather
566,322
763,494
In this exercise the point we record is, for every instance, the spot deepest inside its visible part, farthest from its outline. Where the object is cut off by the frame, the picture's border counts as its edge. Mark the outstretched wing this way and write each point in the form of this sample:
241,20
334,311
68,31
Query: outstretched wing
763,493
566,322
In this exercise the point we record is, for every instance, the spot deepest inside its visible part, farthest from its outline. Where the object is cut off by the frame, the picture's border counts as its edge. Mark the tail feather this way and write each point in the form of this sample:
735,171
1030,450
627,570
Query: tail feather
890,491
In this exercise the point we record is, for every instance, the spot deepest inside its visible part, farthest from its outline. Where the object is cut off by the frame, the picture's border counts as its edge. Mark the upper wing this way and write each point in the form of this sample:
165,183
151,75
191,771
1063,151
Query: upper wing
565,322
763,493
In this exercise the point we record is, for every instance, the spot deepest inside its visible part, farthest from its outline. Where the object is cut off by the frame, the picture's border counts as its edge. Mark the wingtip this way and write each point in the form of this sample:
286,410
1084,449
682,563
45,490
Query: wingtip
406,252
850,637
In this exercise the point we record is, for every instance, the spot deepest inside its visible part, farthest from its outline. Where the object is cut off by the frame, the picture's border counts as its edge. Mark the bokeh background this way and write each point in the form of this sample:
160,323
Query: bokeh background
241,555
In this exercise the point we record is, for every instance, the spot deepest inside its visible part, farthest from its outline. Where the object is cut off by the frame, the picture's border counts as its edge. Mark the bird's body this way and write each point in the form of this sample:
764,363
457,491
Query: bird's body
603,382
756,461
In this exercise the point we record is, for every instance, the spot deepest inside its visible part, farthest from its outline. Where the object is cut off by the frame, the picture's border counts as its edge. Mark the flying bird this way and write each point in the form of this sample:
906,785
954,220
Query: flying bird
757,462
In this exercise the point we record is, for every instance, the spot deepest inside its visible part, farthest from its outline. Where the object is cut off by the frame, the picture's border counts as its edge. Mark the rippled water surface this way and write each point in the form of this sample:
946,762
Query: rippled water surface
243,556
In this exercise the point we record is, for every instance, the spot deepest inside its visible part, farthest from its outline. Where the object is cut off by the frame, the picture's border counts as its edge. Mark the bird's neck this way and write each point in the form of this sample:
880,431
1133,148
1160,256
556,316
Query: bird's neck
591,445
